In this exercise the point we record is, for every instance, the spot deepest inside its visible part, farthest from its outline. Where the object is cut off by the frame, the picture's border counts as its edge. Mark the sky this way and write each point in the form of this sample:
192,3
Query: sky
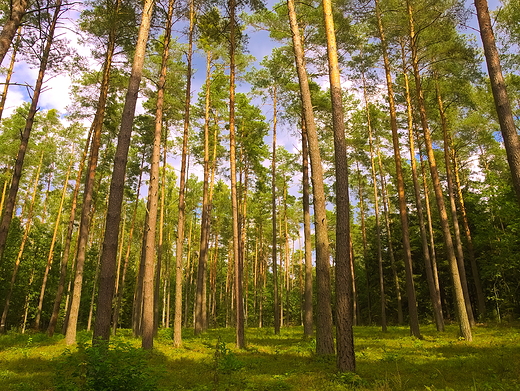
56,94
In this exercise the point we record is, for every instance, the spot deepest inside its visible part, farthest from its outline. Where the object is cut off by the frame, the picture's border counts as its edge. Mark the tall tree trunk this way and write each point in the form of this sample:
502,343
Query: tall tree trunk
28,226
153,196
308,323
50,257
68,241
239,304
376,212
453,207
433,289
403,213
393,265
324,337
110,242
274,242
346,360
200,322
17,12
19,7
475,271
499,89
10,72
177,323
364,240
84,227
465,327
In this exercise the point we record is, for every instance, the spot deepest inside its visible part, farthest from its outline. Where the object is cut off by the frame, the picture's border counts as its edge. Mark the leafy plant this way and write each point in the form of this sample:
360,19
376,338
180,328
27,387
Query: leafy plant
117,366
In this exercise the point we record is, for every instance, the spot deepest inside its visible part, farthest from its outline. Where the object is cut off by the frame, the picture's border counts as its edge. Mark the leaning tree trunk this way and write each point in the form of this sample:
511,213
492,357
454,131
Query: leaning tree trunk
465,327
115,200
68,241
50,256
403,212
499,89
453,207
324,337
20,251
24,136
433,288
10,72
88,192
17,12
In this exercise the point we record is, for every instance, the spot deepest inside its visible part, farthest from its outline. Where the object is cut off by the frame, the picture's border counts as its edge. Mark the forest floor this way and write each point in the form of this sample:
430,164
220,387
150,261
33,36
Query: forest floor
385,361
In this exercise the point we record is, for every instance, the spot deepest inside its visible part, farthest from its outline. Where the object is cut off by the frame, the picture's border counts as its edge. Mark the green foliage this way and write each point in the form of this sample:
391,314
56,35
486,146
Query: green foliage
225,360
119,366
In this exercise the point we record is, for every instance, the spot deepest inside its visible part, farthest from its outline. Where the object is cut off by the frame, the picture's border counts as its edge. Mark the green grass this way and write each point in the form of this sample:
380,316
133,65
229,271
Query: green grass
385,361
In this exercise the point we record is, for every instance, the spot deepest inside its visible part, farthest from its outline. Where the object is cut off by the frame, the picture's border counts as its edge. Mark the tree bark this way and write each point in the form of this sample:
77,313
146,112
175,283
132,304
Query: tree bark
50,257
433,289
308,323
84,227
403,213
346,360
110,242
17,12
324,337
10,72
499,89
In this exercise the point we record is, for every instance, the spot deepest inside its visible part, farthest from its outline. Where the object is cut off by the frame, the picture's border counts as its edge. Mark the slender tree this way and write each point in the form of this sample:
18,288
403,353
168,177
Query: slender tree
324,338
344,304
110,242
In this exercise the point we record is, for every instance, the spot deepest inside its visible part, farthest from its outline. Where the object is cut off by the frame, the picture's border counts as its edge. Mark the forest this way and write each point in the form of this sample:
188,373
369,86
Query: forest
360,181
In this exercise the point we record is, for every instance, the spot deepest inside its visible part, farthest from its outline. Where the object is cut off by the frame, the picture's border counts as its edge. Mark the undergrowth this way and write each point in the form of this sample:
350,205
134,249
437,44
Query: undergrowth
385,361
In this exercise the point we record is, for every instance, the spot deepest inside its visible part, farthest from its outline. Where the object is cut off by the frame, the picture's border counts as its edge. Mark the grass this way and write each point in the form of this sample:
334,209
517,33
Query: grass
385,361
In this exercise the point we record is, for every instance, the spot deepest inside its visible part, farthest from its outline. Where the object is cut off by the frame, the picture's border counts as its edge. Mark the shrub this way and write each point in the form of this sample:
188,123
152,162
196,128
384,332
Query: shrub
105,367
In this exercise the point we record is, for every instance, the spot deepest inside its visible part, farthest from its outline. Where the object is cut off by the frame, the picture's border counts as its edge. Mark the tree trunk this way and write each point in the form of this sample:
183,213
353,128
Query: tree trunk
344,310
19,7
324,337
28,227
110,242
435,296
204,222
274,242
68,240
364,240
239,304
453,207
84,227
10,72
376,212
308,324
403,213
499,89
465,327
475,271
17,12
50,257
153,197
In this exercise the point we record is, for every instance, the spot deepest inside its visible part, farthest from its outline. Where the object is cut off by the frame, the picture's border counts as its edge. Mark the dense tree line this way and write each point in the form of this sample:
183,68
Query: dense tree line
194,214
